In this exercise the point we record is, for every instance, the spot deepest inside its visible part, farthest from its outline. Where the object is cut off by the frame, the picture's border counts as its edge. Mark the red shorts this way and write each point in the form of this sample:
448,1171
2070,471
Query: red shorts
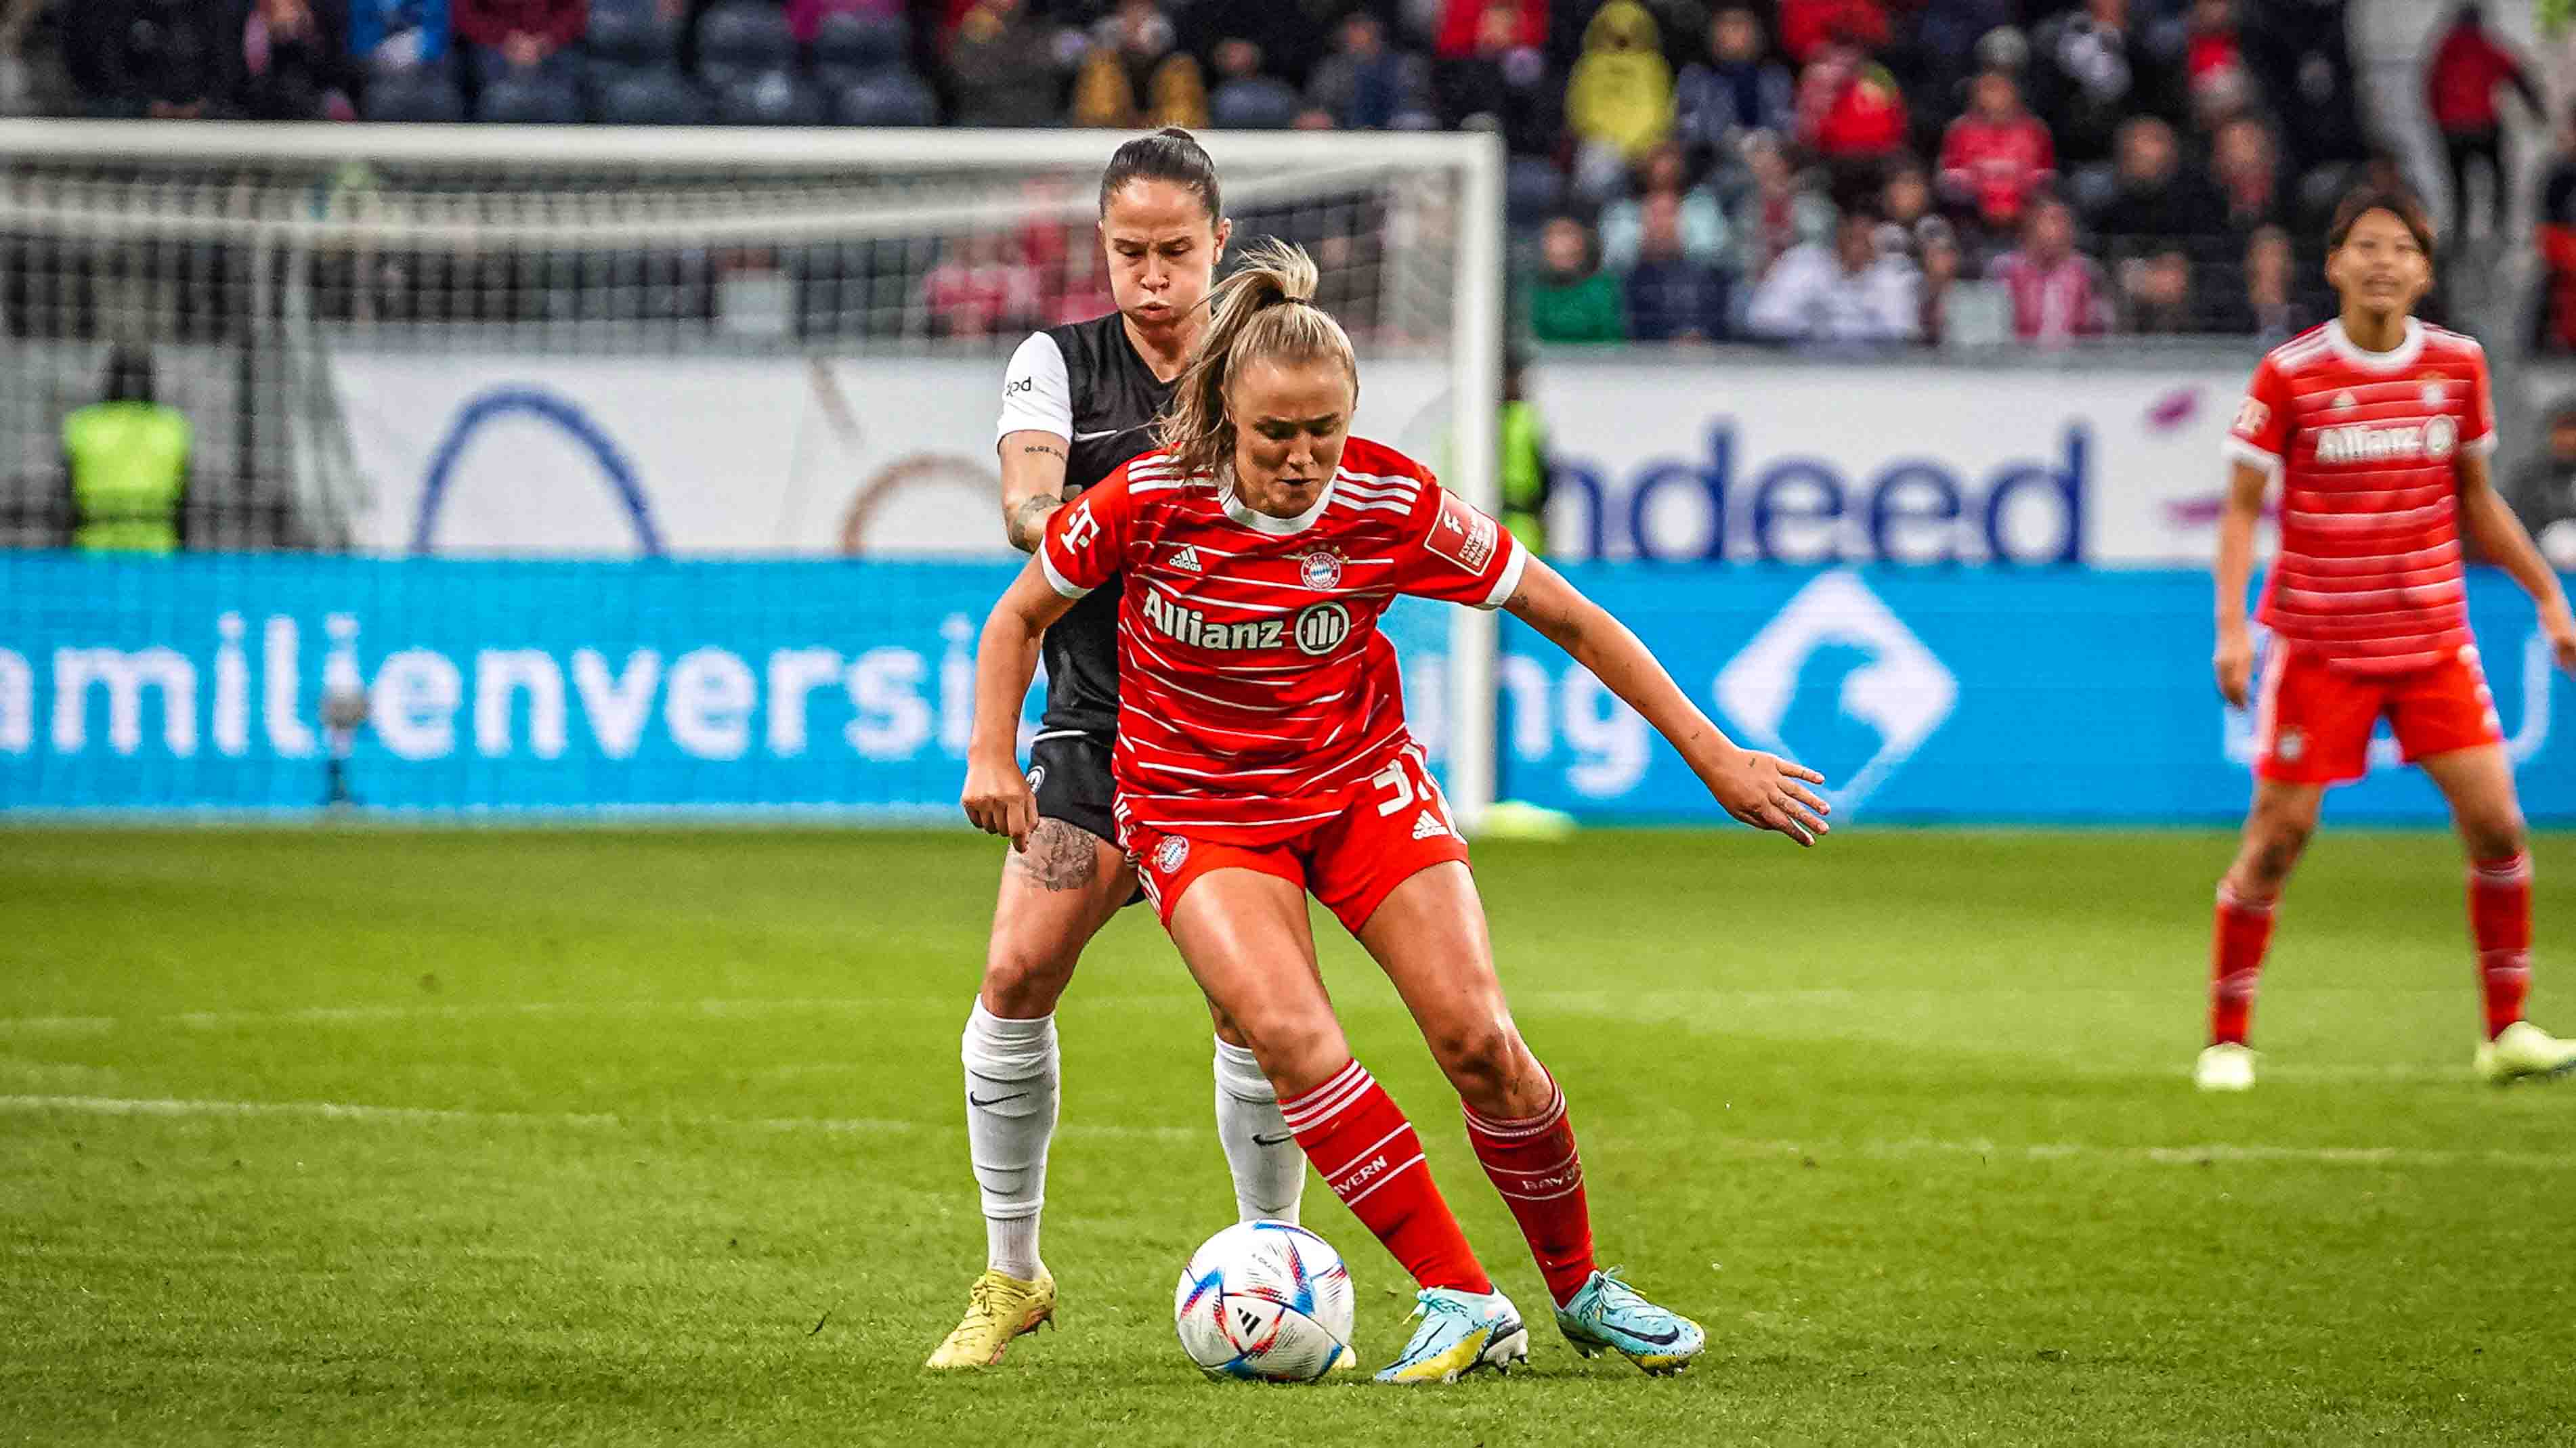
1395,828
2313,721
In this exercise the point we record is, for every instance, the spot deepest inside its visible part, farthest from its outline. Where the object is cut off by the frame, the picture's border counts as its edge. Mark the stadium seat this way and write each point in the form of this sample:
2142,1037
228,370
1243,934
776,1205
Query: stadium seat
888,98
740,41
1256,104
529,100
418,94
778,98
849,48
652,98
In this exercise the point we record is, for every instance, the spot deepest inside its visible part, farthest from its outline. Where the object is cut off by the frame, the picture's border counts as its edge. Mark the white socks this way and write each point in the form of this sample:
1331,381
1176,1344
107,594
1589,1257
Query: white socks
1269,1167
1011,1071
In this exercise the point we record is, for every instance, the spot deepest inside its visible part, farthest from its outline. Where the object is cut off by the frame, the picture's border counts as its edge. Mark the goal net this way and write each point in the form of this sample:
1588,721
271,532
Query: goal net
597,343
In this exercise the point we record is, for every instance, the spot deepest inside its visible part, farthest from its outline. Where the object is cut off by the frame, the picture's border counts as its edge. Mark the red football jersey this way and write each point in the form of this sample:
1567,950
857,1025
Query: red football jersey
1255,693
2366,445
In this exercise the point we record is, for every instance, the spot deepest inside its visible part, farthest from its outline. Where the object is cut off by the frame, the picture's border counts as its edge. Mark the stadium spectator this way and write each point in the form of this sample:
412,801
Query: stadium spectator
1671,297
1363,84
1737,90
518,36
2460,84
2246,164
2553,235
2210,60
1700,223
1131,57
1505,78
1573,299
125,465
1466,27
398,35
1905,200
1521,456
1245,98
1995,155
2154,197
1808,27
31,78
2268,306
983,288
165,58
1619,97
2092,72
1004,70
1845,292
1850,112
2156,292
2056,293
296,64
2300,57
1776,214
2543,493
1934,245
805,17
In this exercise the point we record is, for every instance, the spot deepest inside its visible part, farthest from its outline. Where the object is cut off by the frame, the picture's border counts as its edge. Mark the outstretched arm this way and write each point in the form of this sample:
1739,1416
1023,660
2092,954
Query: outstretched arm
1762,791
2498,534
997,797
2234,660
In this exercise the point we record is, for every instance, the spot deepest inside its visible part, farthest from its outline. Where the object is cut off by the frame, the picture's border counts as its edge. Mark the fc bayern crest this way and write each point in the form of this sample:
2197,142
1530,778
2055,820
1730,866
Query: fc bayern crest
1169,854
1320,569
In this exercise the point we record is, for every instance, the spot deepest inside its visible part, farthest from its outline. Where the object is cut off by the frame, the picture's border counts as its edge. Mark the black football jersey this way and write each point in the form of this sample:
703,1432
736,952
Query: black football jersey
1085,382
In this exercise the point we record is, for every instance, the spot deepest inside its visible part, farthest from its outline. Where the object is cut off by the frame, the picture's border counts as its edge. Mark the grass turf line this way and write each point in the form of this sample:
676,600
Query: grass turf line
1903,1121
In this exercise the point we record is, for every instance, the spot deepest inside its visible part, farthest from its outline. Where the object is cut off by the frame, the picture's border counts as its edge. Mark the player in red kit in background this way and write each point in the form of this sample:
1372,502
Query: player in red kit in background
1263,753
2379,429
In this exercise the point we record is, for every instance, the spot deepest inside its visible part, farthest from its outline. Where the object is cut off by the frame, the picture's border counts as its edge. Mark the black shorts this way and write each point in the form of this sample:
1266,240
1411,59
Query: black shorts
1069,773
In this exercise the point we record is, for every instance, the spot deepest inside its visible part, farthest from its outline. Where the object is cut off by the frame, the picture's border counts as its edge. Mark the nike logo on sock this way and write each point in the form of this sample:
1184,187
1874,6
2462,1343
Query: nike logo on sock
1260,1140
973,1100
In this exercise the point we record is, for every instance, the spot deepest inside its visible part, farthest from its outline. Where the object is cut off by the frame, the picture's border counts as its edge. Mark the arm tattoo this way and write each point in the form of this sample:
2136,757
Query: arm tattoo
1026,524
1059,857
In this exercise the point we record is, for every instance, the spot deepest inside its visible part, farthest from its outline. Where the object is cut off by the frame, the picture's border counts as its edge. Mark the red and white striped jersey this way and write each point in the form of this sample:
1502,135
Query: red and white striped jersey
2366,446
1255,693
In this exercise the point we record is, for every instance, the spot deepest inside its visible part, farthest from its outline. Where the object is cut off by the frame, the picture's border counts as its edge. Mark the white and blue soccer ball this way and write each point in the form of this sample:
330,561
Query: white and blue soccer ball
1268,1301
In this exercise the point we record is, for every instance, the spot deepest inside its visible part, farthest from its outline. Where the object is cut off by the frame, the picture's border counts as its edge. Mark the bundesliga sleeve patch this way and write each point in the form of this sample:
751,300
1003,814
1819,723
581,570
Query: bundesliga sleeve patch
1462,535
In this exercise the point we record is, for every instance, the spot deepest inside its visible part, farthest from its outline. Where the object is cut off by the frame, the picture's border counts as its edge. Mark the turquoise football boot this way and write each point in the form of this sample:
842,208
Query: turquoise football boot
1608,1313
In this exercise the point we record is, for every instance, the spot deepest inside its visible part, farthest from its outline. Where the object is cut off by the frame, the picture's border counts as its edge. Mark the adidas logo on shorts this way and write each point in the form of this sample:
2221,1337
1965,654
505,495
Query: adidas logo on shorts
1427,825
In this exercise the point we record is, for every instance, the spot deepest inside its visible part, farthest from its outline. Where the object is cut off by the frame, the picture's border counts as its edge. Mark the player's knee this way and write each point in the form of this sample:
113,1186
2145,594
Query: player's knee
1297,1053
1023,978
2494,837
2278,841
1484,1060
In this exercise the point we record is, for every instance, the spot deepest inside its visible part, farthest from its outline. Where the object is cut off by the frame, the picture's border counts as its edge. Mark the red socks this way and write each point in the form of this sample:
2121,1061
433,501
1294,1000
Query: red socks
1358,1138
2243,929
1533,1164
2500,922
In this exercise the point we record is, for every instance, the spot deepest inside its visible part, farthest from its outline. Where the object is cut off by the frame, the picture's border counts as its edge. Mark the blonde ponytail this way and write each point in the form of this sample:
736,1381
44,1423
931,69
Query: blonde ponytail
1266,310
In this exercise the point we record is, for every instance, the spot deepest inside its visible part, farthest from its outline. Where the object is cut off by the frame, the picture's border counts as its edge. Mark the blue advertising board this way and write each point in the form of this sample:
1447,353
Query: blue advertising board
1928,694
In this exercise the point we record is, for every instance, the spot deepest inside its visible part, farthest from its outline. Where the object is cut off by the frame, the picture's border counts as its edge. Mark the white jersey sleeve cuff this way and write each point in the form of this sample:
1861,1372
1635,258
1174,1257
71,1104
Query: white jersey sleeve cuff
1036,394
1509,583
2246,452
2481,445
1056,579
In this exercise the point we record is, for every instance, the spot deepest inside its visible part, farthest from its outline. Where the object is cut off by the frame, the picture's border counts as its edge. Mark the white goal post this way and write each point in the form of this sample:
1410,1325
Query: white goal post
253,252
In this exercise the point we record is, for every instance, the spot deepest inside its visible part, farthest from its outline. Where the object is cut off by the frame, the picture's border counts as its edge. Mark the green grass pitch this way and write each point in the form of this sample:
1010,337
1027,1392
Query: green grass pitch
593,1137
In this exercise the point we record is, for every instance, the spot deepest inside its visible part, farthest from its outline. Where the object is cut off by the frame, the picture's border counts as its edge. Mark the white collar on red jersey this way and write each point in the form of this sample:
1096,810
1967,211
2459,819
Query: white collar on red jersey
2353,352
1258,522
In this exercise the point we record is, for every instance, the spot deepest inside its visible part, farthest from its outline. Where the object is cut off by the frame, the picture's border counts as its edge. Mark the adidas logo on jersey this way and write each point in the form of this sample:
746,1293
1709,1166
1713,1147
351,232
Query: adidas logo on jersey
1427,825
2344,399
2434,439
1187,560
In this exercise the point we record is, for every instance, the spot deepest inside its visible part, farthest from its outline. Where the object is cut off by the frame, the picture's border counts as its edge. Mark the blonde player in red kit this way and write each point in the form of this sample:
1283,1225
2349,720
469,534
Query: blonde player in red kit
1263,754
2378,428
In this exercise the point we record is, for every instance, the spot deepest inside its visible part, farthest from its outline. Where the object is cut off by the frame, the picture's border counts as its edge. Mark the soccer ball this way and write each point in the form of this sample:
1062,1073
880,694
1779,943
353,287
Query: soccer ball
1269,1301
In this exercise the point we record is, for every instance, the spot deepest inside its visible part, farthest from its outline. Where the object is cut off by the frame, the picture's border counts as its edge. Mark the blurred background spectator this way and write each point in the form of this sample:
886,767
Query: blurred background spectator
398,35
1005,69
2543,490
1699,223
1573,299
1734,92
1843,291
296,62
2468,66
125,464
1672,296
1619,100
164,58
519,36
1363,85
1996,154
2057,293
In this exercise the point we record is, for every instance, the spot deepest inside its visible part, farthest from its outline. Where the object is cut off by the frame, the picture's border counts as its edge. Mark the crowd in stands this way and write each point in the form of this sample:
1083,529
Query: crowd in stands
1844,171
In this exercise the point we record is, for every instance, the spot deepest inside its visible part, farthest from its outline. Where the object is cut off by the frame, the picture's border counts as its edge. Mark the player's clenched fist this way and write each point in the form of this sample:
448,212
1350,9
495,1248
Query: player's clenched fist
998,799
1769,793
2234,663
